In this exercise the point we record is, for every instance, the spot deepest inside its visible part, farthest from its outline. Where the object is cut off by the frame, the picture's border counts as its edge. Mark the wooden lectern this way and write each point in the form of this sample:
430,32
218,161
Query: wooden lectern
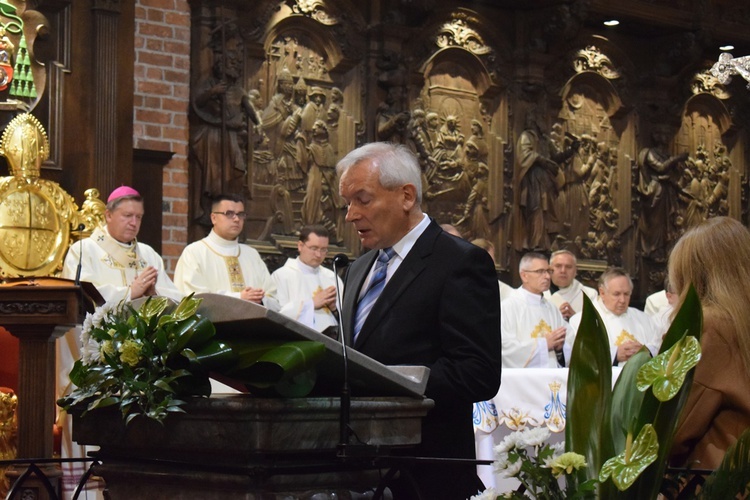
37,311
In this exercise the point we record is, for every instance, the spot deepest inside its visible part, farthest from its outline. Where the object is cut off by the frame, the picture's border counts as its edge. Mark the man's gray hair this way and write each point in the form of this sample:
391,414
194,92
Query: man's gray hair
527,258
112,205
611,273
563,252
397,165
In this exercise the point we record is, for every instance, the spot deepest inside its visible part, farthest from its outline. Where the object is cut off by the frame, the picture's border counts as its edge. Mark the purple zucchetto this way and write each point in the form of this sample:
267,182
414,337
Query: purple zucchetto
122,191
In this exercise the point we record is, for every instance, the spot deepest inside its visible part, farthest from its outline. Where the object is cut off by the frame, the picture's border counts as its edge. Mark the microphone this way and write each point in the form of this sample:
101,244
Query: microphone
340,261
77,281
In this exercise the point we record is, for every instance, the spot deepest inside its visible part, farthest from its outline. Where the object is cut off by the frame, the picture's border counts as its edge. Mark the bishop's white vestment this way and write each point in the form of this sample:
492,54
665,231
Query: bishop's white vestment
111,266
296,282
525,319
226,267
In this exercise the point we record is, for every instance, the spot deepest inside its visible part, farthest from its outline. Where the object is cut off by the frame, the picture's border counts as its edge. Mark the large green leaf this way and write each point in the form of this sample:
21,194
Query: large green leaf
626,399
665,415
285,360
191,333
213,356
589,394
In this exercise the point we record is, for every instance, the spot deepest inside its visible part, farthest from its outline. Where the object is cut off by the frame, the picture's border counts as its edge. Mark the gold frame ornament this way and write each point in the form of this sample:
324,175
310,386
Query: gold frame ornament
35,214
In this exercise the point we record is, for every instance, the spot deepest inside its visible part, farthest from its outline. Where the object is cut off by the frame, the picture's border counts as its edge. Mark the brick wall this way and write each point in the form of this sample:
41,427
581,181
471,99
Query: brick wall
162,90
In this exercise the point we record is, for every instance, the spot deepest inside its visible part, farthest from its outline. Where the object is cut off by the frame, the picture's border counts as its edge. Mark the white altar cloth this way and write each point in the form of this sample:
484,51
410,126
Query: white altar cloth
528,397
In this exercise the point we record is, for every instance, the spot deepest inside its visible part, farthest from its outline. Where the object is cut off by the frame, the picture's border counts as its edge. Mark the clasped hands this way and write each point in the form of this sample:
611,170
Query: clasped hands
144,284
325,298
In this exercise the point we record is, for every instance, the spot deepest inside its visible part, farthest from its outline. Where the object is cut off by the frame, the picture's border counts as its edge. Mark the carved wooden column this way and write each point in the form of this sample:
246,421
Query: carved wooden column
106,18
37,312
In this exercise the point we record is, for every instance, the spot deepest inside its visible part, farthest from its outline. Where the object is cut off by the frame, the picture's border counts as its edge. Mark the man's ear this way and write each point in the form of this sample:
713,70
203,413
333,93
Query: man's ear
410,196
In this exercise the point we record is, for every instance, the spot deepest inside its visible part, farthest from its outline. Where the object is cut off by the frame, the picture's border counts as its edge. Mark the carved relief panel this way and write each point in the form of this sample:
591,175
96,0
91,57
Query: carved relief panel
271,118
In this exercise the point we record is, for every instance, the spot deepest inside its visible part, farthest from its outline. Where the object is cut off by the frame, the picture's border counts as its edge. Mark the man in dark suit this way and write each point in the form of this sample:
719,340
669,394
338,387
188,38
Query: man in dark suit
437,306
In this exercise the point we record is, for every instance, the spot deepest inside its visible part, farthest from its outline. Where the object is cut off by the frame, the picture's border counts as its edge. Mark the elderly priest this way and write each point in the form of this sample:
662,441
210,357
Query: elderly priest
114,261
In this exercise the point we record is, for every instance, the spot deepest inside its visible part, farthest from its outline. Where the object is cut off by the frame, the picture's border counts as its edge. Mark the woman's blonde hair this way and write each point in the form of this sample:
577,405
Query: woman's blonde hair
715,257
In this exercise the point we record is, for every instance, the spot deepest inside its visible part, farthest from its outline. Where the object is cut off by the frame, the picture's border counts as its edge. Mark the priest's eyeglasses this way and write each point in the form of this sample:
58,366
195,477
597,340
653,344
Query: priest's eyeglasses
231,214
538,272
323,250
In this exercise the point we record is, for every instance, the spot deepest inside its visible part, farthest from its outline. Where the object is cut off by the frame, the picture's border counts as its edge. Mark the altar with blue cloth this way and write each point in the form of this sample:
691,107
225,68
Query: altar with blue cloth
528,397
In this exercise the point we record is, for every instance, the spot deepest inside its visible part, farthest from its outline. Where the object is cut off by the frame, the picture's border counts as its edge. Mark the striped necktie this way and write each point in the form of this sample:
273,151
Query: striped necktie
373,292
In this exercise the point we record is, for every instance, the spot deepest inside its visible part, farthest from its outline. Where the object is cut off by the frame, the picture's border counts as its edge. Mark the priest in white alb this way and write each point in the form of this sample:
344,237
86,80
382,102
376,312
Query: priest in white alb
533,330
628,329
566,292
219,263
306,290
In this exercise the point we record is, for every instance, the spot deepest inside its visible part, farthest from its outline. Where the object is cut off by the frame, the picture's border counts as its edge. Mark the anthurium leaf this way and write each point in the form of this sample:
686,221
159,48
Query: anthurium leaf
666,372
665,415
589,394
625,468
626,399
154,306
186,308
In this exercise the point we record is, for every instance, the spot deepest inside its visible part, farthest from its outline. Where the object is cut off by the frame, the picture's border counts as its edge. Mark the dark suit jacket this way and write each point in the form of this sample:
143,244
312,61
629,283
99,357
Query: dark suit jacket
441,309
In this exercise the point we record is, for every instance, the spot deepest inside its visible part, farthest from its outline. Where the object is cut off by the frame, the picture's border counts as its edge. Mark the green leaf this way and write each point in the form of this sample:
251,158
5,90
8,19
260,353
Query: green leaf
628,465
626,399
104,402
665,415
589,394
191,333
187,307
161,384
213,356
153,307
288,359
667,371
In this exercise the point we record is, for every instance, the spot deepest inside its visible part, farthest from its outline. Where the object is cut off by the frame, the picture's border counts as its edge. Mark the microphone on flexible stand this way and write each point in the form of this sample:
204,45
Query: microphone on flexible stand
77,281
340,261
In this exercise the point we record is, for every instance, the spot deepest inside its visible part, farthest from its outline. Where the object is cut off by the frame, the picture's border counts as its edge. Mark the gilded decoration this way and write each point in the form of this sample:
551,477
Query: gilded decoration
8,434
592,59
35,214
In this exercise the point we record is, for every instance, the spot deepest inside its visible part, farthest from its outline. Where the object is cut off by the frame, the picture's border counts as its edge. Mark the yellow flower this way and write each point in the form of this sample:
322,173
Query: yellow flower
107,348
567,463
130,352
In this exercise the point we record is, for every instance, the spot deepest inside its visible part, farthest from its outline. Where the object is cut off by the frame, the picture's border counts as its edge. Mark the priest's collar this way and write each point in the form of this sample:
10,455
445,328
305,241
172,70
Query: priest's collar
220,242
532,298
305,268
127,245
